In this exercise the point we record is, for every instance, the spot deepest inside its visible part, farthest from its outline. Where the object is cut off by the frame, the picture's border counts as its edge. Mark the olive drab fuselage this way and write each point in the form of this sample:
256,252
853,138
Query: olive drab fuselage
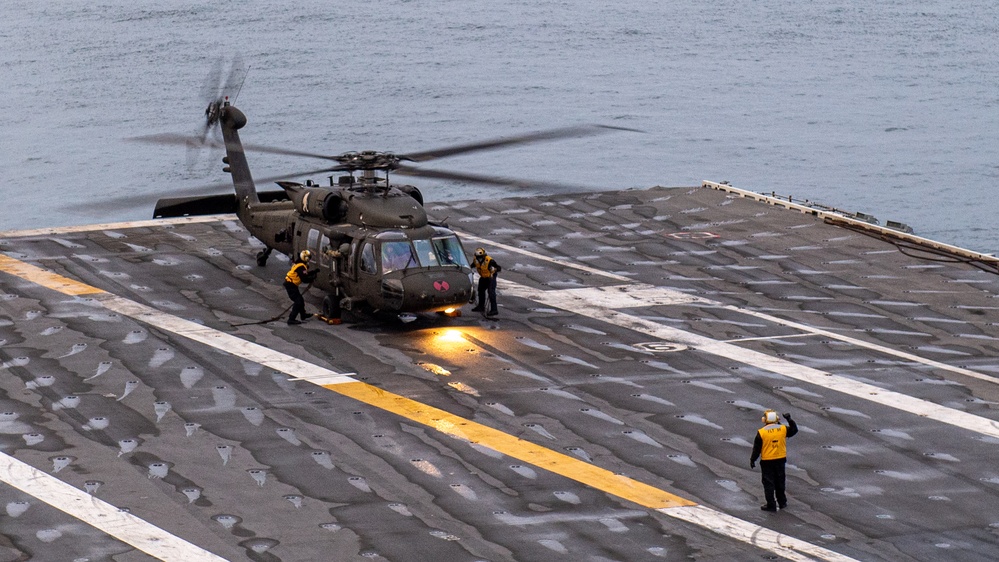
373,244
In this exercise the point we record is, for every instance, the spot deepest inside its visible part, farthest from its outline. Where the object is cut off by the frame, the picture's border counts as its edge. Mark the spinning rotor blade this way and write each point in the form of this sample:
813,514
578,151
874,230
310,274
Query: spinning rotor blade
202,189
210,87
215,93
487,180
552,134
234,82
185,140
270,179
214,111
177,139
286,152
211,91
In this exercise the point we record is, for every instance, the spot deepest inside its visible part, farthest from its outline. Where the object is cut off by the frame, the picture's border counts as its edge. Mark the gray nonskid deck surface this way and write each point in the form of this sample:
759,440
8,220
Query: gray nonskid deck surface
248,464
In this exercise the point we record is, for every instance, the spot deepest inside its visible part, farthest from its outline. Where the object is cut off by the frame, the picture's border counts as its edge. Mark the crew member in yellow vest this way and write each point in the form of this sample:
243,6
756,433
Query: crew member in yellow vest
298,273
770,447
487,268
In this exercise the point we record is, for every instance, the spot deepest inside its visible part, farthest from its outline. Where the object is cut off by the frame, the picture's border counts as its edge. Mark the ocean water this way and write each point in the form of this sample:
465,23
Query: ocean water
886,107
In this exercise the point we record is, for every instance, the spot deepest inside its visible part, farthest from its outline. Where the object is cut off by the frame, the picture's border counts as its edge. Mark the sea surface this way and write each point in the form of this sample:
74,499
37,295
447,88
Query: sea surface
886,107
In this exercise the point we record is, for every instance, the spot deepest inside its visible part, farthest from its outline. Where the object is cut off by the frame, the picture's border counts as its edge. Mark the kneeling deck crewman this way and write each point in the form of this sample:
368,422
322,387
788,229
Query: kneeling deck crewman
770,446
299,272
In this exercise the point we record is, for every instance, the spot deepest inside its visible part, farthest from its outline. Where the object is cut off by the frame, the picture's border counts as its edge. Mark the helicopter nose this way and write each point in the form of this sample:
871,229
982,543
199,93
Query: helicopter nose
436,291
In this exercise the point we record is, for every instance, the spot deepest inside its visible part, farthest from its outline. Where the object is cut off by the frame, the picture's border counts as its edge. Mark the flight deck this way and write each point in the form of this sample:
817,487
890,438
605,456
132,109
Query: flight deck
154,404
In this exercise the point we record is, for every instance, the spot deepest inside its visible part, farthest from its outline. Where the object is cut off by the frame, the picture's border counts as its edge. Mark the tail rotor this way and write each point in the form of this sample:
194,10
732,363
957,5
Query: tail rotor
216,91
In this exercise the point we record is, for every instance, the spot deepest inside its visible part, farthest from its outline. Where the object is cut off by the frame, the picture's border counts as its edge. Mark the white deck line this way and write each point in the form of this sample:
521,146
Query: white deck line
300,370
150,223
101,515
867,345
591,302
753,534
123,526
679,297
549,259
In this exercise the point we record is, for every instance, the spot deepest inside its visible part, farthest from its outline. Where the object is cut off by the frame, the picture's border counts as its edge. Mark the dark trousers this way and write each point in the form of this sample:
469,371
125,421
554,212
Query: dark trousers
487,285
773,482
298,303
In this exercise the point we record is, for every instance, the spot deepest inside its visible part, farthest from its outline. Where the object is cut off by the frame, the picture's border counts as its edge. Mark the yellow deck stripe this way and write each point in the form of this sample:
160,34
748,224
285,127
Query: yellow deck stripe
46,279
514,447
541,457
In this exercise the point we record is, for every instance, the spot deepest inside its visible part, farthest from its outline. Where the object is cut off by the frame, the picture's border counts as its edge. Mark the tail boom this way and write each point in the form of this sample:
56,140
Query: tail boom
246,192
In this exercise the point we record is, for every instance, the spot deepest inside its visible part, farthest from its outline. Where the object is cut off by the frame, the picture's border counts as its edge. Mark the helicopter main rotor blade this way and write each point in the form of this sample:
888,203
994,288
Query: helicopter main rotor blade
187,140
486,180
287,152
551,134
141,199
270,179
177,139
422,156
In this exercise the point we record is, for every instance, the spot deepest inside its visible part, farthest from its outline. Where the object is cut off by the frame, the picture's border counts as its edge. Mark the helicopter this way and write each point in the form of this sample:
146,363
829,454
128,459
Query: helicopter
377,249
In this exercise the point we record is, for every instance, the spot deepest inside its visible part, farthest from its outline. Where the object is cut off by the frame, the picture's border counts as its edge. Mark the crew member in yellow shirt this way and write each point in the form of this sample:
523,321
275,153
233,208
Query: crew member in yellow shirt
488,269
298,273
770,447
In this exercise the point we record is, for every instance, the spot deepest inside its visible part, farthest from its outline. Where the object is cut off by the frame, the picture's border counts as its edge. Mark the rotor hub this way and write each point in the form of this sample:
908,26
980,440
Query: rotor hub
367,160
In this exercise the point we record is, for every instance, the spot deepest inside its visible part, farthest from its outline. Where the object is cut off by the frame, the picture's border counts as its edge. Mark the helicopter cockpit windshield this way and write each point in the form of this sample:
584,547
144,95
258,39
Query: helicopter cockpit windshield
442,249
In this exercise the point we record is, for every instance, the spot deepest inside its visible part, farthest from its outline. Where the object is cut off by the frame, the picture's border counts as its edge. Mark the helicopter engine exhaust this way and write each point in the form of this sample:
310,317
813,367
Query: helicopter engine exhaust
318,202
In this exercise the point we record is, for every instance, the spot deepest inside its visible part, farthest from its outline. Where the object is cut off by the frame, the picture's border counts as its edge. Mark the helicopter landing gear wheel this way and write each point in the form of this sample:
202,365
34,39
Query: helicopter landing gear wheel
262,256
331,306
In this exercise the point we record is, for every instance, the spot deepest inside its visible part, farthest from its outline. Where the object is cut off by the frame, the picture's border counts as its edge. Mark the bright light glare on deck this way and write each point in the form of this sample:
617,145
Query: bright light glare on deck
452,336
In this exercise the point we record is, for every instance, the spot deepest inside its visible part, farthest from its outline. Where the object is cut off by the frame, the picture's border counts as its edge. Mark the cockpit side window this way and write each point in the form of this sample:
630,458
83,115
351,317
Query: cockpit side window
367,260
449,251
313,239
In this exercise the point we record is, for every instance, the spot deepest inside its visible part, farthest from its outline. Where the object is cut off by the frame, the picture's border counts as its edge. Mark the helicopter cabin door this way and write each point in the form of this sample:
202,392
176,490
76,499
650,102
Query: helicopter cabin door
326,261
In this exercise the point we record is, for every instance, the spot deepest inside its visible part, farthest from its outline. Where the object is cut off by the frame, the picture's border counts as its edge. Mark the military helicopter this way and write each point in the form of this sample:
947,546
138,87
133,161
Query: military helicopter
377,249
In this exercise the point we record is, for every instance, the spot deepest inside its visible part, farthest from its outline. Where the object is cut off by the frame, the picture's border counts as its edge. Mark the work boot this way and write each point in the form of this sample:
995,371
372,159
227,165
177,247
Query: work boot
492,313
293,322
768,507
306,315
478,309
